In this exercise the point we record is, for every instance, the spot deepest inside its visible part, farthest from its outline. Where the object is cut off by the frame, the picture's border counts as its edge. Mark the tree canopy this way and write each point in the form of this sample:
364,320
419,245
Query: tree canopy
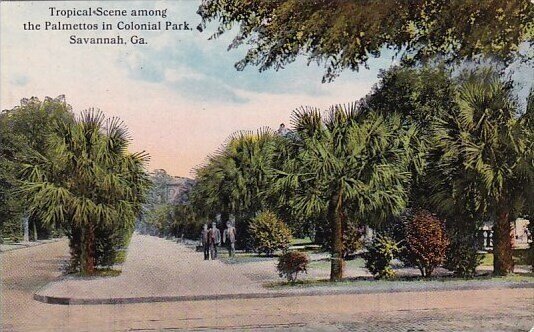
347,164
25,132
343,34
89,183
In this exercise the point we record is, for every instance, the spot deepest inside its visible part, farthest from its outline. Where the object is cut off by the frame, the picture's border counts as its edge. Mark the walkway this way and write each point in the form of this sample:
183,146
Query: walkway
25,271
158,268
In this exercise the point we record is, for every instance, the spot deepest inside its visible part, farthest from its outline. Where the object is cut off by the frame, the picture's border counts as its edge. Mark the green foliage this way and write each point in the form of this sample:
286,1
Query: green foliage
425,242
347,163
378,256
345,34
477,149
25,132
160,218
89,184
269,233
352,240
110,243
482,165
483,146
11,147
291,263
363,157
187,222
462,255
12,227
235,180
172,220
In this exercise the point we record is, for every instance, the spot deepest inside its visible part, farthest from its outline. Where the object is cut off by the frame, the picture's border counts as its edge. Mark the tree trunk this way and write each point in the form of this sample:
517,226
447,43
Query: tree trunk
503,262
334,216
26,226
87,259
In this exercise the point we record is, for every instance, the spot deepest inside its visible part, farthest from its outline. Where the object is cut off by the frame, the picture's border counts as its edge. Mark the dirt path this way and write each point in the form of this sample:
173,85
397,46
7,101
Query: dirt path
157,267
25,270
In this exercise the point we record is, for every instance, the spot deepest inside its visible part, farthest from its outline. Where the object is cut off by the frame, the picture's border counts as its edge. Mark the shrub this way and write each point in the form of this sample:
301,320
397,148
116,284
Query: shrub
425,242
352,240
462,255
12,229
291,263
378,256
185,222
244,240
109,242
269,233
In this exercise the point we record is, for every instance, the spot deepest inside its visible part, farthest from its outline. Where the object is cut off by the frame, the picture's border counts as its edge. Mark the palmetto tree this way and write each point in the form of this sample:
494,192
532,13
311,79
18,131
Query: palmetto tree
485,159
235,177
347,164
89,181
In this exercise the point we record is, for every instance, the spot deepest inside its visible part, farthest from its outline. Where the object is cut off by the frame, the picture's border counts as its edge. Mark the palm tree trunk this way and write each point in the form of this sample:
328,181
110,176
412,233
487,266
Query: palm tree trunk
87,259
35,236
334,216
503,262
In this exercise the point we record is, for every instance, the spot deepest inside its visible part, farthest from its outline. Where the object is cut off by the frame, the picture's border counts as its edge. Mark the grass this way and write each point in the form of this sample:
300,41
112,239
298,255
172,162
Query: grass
244,257
100,272
521,257
324,264
301,241
370,282
305,245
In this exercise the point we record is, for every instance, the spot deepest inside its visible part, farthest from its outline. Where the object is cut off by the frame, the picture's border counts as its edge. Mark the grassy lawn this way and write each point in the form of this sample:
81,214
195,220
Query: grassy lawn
305,245
244,257
100,272
301,242
324,264
370,282
521,257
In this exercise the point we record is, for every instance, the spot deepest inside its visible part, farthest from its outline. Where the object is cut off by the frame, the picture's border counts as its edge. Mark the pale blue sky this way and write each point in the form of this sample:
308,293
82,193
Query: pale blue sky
180,95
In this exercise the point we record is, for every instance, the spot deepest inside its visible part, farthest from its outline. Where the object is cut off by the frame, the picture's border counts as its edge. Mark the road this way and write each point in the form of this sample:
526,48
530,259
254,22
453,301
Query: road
26,270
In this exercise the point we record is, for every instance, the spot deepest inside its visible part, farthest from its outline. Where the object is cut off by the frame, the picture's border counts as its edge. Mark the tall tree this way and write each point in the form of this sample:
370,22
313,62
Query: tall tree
88,182
25,134
344,34
12,150
347,165
485,158
234,179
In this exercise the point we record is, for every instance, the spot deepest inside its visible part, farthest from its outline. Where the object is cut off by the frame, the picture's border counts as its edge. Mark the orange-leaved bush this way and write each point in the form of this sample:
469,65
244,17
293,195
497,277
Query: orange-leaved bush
291,263
426,242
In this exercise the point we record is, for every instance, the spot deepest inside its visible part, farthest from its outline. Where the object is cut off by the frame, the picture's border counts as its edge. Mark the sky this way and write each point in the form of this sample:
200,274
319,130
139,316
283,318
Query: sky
179,95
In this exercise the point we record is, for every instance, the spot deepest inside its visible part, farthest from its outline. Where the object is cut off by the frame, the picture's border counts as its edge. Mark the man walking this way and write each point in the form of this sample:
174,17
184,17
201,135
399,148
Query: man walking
204,239
214,239
229,235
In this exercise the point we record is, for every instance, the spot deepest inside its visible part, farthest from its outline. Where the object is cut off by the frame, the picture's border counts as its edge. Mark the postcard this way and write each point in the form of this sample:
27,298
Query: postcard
326,165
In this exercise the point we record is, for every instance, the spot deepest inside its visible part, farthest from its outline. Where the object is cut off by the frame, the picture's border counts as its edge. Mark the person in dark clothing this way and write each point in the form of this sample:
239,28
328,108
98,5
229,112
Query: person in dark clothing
214,239
204,239
229,236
